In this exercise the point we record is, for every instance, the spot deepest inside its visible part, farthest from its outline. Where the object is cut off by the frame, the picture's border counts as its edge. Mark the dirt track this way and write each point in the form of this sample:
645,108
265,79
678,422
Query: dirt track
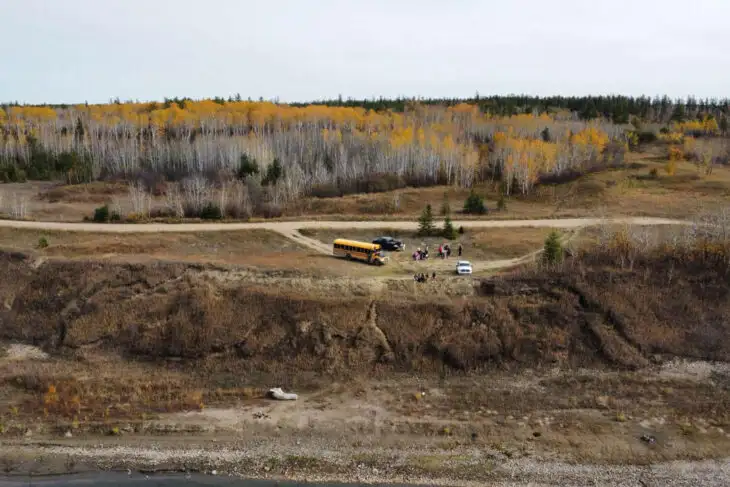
285,227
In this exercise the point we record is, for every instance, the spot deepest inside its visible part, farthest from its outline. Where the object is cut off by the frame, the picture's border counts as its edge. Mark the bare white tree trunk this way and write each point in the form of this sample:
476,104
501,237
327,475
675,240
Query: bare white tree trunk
140,199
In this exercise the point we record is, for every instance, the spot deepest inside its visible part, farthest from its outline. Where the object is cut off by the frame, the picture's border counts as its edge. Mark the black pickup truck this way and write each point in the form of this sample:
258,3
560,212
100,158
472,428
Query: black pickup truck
390,244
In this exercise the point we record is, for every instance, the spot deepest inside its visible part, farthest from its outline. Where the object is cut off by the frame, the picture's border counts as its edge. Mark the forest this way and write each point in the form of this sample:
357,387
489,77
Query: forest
281,152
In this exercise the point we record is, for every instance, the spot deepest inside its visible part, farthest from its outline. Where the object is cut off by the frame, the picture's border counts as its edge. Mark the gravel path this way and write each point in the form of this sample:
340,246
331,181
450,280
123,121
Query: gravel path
288,227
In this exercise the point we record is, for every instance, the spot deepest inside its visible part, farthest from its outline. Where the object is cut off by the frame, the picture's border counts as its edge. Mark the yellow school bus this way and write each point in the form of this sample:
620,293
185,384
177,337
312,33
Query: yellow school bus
354,250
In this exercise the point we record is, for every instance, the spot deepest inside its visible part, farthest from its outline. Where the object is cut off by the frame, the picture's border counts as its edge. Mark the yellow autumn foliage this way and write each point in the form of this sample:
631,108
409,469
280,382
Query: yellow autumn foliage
459,141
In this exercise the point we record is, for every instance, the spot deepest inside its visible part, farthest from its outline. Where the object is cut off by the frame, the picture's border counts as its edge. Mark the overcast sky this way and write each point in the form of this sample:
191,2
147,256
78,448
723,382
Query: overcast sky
76,50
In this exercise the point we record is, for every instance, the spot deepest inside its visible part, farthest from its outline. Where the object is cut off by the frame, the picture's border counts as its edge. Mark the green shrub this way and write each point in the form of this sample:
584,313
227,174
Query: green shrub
101,214
461,230
13,174
115,216
42,243
211,211
474,204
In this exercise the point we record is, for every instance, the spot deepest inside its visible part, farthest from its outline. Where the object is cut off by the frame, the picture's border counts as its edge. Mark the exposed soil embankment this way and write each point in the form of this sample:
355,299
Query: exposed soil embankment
585,315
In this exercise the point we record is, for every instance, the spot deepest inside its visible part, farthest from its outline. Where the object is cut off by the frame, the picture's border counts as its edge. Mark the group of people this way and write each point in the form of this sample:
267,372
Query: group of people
420,254
444,252
421,277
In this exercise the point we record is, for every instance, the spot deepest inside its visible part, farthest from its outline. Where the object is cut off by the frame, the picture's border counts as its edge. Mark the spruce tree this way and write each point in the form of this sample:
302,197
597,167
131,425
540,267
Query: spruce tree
474,204
445,206
273,173
553,249
448,232
425,222
247,167
502,203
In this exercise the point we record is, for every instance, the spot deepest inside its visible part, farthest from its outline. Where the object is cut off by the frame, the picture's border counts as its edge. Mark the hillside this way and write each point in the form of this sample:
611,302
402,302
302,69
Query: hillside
590,315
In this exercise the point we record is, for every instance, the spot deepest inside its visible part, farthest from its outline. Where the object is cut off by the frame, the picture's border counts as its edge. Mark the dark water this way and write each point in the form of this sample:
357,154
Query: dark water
123,480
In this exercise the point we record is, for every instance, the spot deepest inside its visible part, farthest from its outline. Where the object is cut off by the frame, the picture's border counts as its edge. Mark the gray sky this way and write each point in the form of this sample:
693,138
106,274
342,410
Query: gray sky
76,50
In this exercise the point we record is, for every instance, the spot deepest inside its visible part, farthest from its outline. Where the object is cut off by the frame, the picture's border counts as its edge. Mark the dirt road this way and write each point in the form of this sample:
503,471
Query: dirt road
285,227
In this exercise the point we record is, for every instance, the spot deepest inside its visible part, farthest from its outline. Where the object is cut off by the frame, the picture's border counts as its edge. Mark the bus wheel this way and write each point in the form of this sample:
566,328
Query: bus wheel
348,257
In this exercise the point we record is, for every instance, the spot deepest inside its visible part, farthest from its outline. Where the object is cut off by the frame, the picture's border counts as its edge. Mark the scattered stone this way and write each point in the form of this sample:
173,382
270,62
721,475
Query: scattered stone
68,434
279,394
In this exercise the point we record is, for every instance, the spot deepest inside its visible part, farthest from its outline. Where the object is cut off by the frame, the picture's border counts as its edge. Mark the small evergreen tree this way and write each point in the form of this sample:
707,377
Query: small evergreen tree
553,249
448,232
247,167
79,131
723,125
502,203
425,222
273,173
545,134
474,204
445,206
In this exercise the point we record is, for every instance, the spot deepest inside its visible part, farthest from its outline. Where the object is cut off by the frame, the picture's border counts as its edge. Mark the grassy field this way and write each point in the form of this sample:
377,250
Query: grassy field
250,247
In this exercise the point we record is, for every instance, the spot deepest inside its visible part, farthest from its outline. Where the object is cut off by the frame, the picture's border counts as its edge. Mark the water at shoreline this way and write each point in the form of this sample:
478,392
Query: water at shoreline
161,480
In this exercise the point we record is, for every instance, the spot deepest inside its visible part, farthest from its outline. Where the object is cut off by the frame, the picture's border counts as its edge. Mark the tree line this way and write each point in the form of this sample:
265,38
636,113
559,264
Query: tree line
617,108
283,152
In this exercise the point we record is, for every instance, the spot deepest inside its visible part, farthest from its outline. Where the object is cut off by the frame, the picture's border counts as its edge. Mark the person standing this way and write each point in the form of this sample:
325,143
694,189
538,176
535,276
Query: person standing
460,249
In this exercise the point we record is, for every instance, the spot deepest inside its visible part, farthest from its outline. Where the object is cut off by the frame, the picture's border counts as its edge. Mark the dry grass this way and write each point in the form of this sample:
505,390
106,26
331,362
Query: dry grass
98,192
251,247
478,244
